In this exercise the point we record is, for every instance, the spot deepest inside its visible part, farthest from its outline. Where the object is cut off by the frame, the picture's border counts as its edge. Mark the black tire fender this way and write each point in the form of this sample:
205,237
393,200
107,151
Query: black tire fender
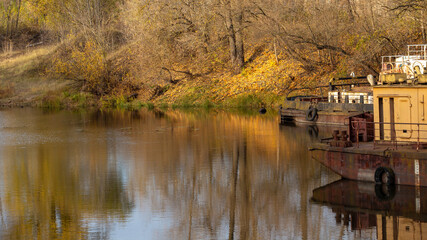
311,114
389,178
385,192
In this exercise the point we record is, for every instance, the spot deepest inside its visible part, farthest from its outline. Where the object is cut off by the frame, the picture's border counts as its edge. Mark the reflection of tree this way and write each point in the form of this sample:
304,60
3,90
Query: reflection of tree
53,191
221,176
214,175
233,177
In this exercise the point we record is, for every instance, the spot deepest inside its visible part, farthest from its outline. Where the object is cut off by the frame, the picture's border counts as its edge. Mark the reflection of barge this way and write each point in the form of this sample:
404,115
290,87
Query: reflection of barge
334,109
397,212
399,132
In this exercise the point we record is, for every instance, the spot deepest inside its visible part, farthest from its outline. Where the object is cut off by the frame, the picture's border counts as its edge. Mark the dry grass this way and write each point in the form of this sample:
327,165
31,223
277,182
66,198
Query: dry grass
6,91
18,63
21,78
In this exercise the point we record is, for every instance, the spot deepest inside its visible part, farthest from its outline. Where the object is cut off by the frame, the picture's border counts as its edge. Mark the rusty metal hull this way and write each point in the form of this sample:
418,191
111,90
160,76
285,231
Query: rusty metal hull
409,166
327,118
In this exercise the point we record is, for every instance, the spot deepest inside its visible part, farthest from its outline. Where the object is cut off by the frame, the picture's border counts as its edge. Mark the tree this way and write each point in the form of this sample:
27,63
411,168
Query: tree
233,12
414,10
91,18
10,18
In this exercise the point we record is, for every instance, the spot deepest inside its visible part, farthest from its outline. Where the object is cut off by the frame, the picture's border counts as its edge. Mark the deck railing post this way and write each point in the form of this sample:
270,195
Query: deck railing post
393,138
394,134
374,136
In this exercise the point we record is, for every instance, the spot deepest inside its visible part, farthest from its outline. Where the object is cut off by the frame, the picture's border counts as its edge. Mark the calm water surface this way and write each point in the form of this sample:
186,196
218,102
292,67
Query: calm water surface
171,175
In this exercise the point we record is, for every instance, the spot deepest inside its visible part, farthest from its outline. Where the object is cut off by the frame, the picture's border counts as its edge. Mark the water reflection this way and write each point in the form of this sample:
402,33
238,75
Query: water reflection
159,175
49,189
393,212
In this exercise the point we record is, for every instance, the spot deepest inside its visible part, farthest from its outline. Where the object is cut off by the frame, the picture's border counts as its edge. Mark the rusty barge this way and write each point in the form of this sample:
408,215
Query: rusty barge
390,147
346,97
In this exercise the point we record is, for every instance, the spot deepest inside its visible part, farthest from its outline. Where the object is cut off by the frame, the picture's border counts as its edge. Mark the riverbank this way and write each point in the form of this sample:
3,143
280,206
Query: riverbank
26,80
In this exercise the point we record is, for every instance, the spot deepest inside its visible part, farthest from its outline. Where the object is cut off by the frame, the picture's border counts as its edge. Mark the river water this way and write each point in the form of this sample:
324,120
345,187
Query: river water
169,175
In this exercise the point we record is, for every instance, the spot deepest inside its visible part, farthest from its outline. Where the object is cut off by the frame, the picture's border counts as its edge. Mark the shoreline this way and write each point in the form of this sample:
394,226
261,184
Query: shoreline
26,81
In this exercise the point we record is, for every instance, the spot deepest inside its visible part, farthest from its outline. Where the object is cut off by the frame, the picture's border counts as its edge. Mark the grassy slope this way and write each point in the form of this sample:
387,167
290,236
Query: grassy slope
20,80
263,81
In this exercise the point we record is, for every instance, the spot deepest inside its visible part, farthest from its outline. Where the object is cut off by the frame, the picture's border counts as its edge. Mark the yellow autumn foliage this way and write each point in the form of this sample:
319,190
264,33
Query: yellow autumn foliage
84,62
266,75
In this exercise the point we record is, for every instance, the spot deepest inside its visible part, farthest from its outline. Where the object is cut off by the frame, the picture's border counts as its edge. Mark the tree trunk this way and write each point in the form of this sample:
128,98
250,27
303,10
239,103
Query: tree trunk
235,36
240,56
423,29
17,15
231,38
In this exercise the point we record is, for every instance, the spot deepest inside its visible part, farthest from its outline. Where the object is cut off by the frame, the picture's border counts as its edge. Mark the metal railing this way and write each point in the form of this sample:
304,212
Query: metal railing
418,50
391,134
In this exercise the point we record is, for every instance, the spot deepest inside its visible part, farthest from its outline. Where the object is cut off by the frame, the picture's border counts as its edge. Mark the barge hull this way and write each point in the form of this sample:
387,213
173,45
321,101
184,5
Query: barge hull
409,168
327,118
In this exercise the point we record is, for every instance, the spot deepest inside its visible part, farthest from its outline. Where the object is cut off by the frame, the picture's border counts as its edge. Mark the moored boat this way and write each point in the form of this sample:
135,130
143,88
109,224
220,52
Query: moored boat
391,147
346,97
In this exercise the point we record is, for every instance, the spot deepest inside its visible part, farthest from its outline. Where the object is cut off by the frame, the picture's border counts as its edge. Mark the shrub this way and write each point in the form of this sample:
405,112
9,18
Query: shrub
84,62
244,101
207,104
51,101
149,105
163,105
